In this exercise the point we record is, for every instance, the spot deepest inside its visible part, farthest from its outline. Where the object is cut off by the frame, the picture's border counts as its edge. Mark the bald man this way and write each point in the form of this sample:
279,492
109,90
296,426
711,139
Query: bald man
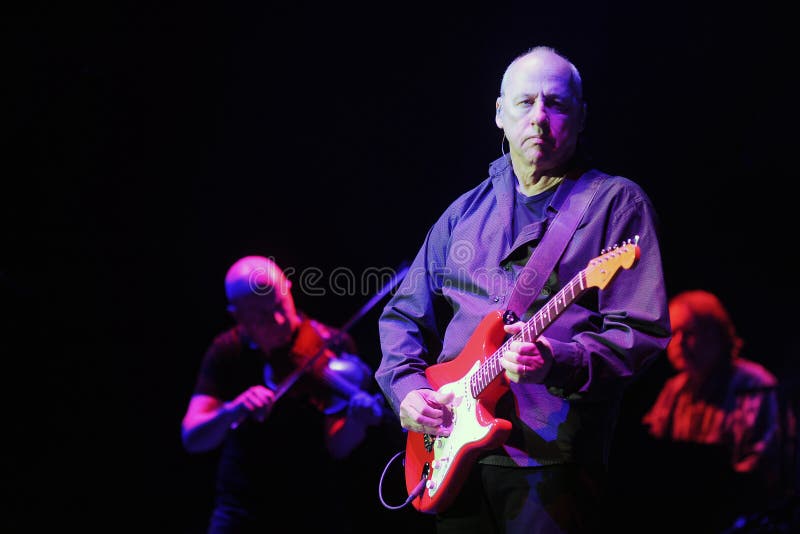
564,387
268,445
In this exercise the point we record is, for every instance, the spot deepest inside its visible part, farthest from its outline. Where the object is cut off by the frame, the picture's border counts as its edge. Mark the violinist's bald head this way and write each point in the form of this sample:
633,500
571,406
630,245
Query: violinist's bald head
254,275
260,301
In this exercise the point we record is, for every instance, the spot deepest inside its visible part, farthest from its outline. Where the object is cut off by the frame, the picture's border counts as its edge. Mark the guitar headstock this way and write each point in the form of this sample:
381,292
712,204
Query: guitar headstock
602,269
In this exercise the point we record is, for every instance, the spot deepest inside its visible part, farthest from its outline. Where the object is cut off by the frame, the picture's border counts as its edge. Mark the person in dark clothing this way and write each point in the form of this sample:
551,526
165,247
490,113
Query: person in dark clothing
717,426
285,398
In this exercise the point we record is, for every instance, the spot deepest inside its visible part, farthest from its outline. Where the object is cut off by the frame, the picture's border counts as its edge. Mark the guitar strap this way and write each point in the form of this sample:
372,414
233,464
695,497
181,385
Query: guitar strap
577,197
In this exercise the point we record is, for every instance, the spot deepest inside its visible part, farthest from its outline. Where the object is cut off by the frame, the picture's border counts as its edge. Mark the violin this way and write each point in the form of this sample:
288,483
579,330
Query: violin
345,375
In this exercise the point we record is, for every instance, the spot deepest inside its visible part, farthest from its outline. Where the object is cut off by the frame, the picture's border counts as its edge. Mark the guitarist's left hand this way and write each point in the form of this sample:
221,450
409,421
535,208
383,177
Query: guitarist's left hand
526,362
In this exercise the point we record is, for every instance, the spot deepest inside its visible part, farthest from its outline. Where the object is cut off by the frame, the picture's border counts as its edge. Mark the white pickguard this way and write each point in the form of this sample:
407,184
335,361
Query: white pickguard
465,429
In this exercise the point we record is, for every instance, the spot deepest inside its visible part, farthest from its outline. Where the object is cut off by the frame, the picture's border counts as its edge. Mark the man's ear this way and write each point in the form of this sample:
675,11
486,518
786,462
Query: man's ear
498,109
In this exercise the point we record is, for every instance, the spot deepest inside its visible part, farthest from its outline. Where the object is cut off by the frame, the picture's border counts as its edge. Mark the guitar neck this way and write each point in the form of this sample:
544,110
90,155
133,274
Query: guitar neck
532,329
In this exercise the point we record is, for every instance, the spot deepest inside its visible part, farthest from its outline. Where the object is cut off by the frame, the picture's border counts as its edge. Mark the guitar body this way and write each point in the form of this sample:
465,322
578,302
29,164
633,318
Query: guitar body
476,379
446,461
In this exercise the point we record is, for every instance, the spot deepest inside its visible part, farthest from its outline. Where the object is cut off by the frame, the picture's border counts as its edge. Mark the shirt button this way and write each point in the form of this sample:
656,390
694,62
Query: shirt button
546,292
507,267
496,299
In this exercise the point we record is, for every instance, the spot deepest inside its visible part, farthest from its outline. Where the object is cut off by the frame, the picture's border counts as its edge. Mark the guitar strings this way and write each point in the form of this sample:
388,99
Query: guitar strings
491,368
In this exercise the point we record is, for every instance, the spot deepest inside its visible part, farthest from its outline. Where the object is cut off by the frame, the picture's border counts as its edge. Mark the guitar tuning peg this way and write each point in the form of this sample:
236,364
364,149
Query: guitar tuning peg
636,239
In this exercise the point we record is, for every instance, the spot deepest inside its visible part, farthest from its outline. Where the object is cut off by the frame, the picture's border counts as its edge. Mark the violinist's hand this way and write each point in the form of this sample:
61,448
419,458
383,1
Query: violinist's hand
365,408
256,402
526,362
428,411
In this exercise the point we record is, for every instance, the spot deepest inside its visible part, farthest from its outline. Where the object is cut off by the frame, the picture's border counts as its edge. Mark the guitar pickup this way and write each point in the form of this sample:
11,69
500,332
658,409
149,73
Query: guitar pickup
428,440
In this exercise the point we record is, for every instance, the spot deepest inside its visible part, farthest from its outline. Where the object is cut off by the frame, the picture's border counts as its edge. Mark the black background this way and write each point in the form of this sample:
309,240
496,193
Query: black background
150,145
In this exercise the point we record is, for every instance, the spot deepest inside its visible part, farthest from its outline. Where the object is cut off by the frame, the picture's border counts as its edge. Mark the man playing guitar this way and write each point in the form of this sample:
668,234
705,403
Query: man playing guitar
543,431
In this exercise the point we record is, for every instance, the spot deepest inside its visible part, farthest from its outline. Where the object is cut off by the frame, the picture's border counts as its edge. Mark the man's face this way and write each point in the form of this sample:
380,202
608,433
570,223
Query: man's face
540,112
268,318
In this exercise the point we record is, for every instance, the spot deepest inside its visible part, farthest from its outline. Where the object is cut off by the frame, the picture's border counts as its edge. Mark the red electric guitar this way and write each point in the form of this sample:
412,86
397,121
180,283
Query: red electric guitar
475,376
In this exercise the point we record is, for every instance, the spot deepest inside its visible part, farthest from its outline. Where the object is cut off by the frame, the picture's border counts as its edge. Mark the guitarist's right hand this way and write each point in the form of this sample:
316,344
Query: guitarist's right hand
427,411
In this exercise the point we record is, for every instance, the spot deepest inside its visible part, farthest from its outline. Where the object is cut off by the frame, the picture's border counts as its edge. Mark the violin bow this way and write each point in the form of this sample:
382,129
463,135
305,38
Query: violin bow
289,381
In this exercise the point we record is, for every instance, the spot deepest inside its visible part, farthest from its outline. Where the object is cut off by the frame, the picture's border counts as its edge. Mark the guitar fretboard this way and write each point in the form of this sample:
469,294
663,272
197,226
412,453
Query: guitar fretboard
532,329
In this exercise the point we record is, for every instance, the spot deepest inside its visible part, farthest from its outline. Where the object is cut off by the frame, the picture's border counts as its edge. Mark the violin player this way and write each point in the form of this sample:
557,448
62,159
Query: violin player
281,397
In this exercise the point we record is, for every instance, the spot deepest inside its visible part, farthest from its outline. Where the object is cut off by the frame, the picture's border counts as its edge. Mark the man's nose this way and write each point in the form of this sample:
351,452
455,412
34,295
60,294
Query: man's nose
538,113
279,318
